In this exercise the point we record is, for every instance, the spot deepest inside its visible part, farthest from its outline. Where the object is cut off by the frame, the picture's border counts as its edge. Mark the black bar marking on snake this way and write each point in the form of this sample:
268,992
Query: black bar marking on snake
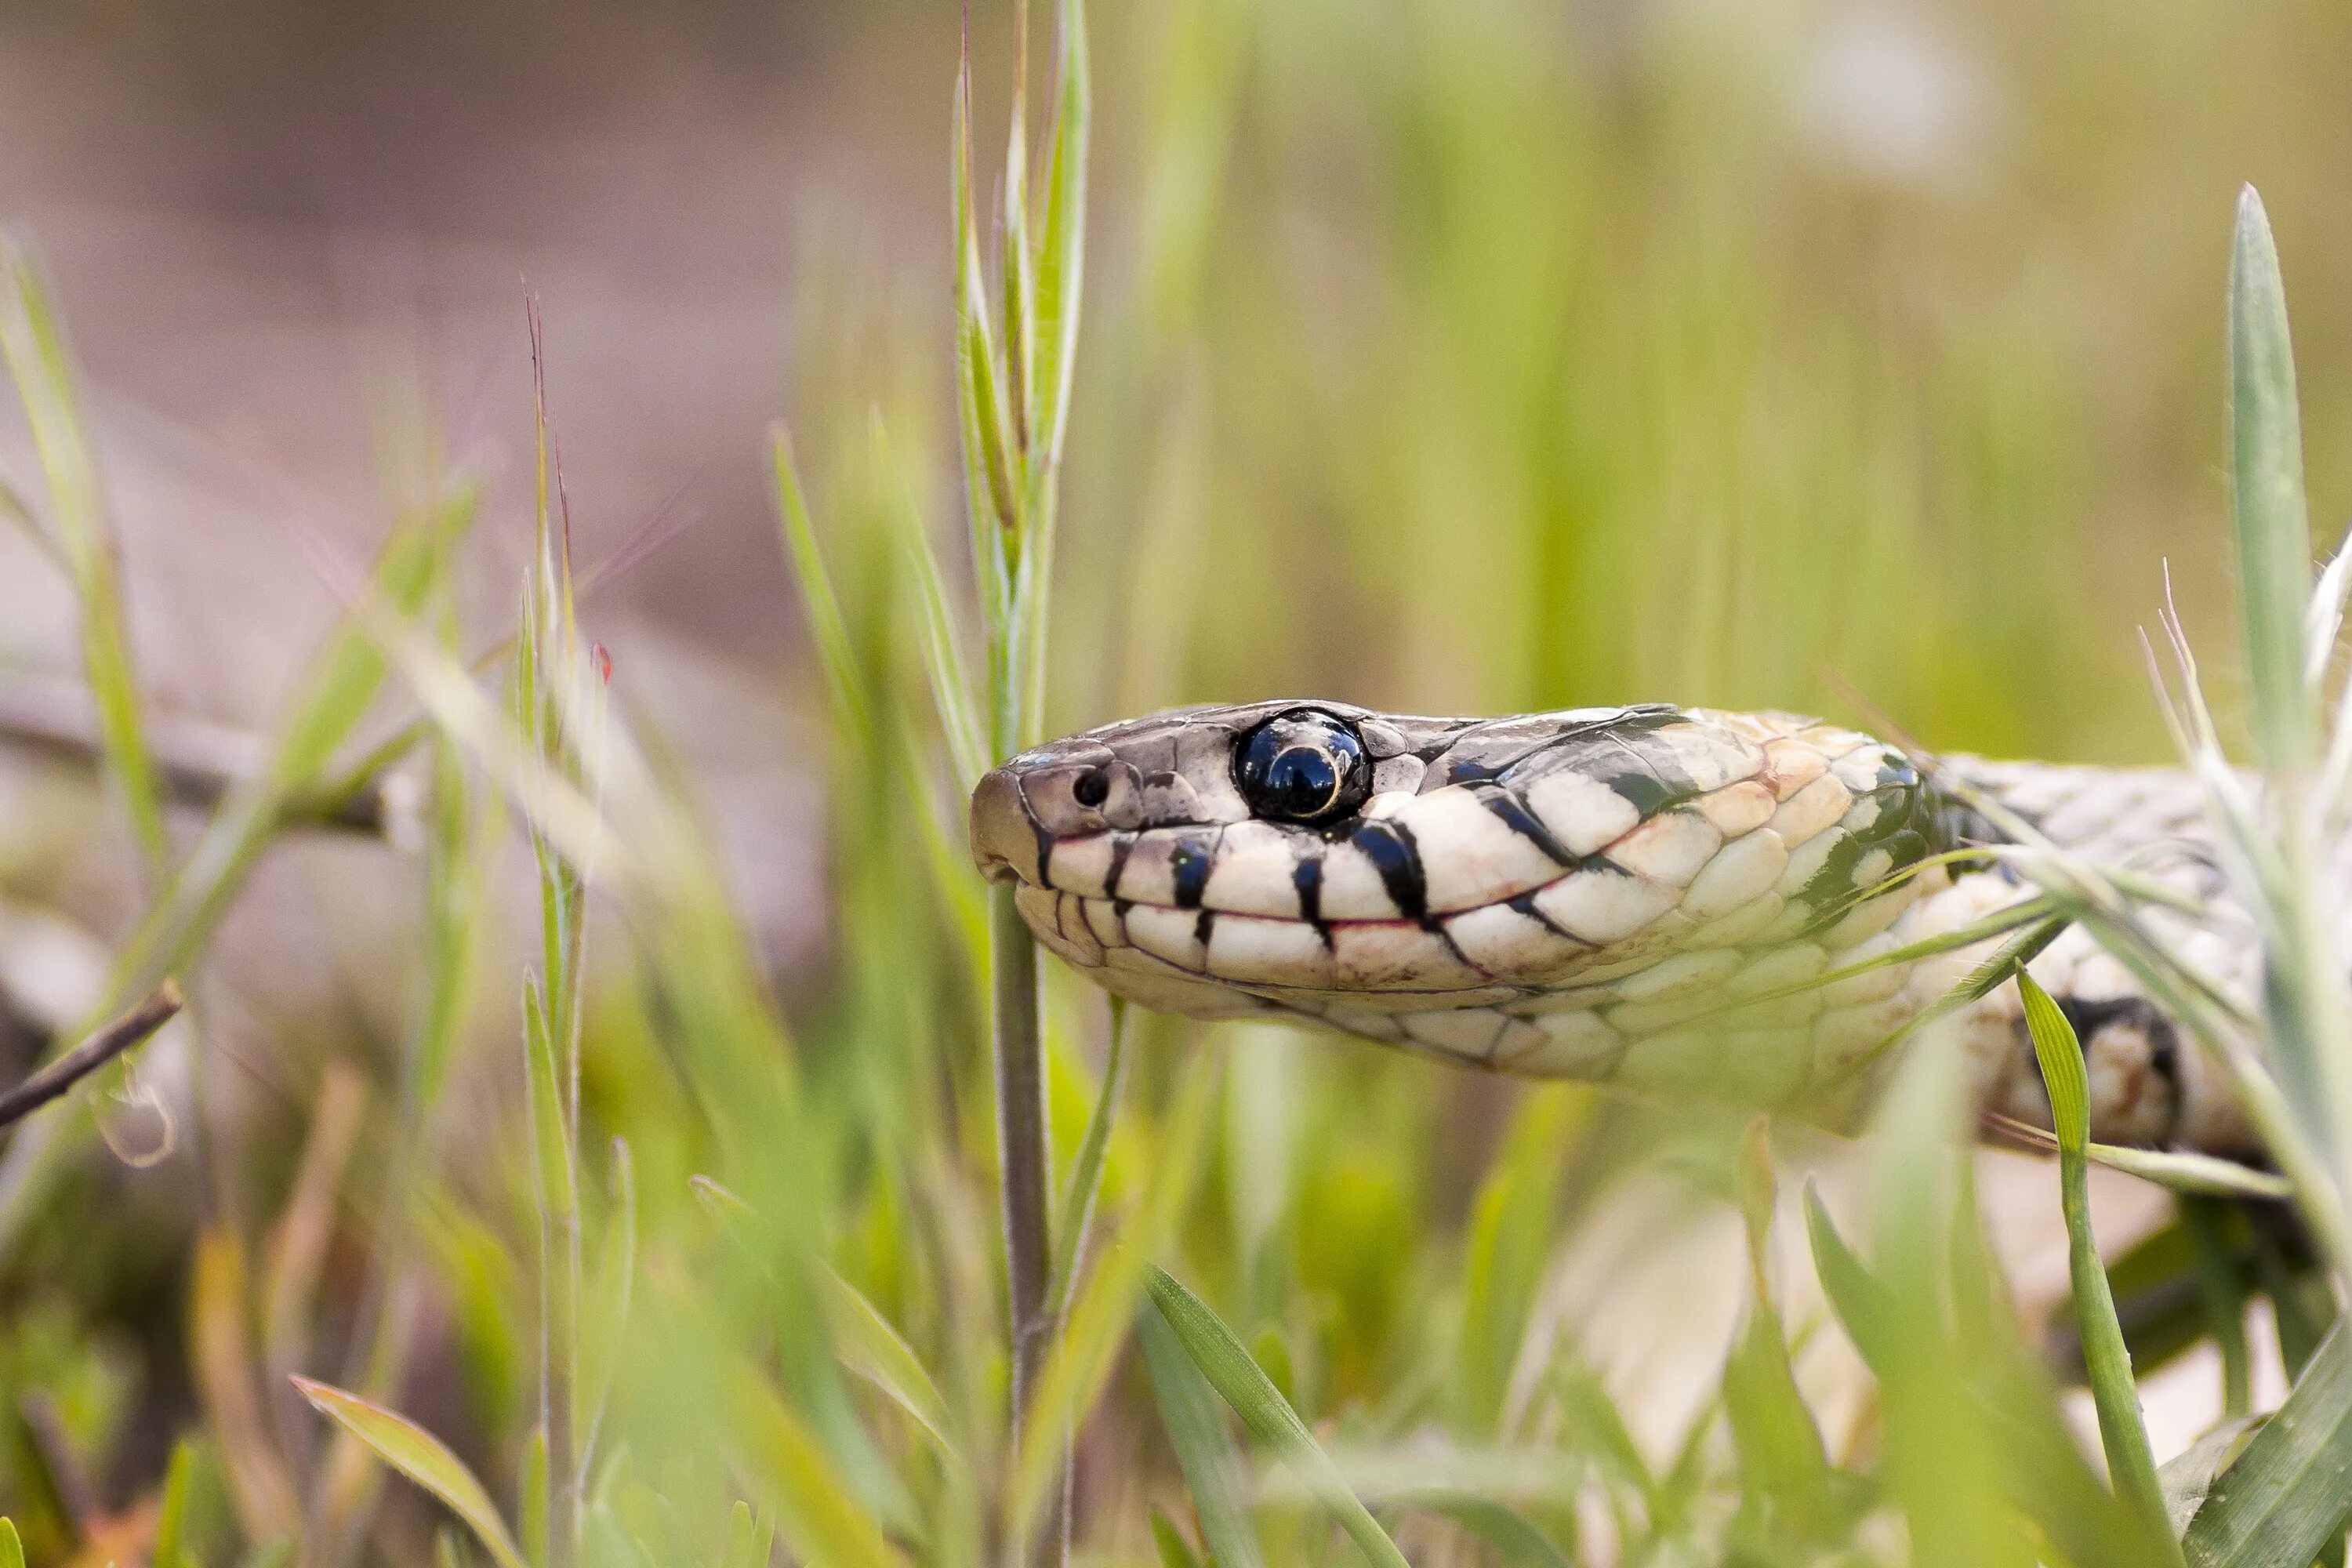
1647,787
1825,887
1037,831
1122,844
1307,881
1513,813
1436,928
1908,847
1525,904
1589,735
1395,857
1188,868
1201,927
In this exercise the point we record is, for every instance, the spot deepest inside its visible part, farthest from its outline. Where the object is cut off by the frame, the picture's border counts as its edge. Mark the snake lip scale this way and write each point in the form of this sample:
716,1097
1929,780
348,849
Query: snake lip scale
1631,895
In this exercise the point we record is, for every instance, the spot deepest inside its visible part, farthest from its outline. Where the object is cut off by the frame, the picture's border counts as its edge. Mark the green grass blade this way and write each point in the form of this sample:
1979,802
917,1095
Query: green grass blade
1061,246
2122,1431
610,1297
2222,1288
1085,1171
751,1538
1862,1306
1173,1552
537,1504
818,601
2198,1176
2274,526
819,1514
16,510
12,1547
943,660
2188,1476
423,1458
873,1348
171,1548
556,1197
1216,1472
32,343
1517,1542
1269,1417
980,395
946,855
1784,1467
1596,1429
2285,1497
1510,1232
1015,282
1102,1309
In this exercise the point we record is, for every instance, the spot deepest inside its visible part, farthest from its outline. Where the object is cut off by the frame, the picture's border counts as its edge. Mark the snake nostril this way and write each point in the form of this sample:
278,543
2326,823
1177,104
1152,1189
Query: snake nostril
1092,787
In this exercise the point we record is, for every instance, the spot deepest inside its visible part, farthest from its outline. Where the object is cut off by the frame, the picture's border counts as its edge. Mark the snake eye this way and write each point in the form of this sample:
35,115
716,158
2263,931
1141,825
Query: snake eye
1092,787
1303,766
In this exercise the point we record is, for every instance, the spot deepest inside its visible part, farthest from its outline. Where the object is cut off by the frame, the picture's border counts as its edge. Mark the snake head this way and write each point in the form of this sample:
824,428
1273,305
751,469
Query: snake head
1307,765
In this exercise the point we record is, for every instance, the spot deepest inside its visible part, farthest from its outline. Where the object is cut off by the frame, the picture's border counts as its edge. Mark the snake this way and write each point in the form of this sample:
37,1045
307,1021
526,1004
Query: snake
1682,902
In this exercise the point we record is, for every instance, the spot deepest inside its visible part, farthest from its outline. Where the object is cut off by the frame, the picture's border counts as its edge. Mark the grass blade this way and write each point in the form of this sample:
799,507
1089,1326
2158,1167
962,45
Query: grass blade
2178,1171
1216,1472
1510,1231
1269,1417
2122,1431
826,629
1173,1552
536,1503
942,648
171,1549
1061,241
2274,526
423,1458
751,1538
1015,282
820,1516
2285,1497
32,343
1862,1305
2188,1476
1085,1172
1518,1542
1784,1467
1087,1344
610,1298
981,397
874,1350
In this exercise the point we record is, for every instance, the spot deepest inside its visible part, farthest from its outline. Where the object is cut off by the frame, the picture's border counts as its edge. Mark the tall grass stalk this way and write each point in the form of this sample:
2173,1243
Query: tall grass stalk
558,707
2290,631
1014,365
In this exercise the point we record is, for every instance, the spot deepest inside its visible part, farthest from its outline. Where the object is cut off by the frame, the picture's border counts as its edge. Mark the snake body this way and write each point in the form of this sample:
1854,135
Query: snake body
1638,896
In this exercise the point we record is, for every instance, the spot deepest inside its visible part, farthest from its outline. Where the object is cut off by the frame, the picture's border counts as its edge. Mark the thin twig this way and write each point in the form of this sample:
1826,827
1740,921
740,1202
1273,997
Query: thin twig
91,1054
196,763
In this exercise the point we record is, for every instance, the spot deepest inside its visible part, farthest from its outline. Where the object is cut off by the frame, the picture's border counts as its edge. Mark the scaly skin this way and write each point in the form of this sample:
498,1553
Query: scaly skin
1589,895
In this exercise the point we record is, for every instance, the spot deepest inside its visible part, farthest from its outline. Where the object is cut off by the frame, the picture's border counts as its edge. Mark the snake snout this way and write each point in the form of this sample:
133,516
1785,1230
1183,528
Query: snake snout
1004,840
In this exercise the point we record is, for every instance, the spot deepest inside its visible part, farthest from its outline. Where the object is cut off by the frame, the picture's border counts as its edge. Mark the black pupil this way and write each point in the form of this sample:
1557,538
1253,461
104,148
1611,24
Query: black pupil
1301,781
1303,767
1092,788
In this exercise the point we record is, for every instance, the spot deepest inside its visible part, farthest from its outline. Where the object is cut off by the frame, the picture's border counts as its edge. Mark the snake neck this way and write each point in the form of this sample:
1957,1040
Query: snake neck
2151,1084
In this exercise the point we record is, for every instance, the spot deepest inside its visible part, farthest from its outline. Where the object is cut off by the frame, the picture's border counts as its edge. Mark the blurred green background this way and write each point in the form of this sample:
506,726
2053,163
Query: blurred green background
1445,355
